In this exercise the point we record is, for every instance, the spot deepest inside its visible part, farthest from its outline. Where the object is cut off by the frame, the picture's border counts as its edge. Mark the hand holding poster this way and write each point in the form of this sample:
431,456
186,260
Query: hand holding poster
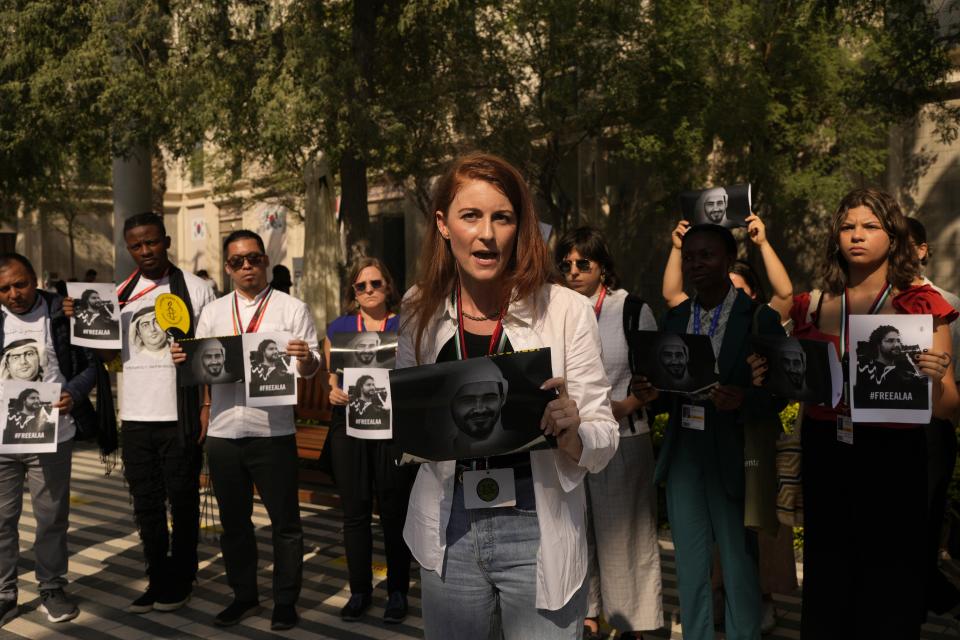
726,206
270,373
29,420
363,350
212,361
804,370
887,384
368,412
683,363
96,315
471,408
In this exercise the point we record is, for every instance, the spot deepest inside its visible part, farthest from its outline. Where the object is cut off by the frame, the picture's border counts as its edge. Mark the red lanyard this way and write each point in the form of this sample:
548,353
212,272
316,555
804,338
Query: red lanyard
497,340
597,307
258,314
361,327
878,303
142,293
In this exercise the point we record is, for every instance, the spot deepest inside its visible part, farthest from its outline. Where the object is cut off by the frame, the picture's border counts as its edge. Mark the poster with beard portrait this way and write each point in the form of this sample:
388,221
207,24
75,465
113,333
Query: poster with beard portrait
800,369
682,363
368,411
364,350
726,206
29,420
472,408
887,384
211,361
270,373
23,359
96,315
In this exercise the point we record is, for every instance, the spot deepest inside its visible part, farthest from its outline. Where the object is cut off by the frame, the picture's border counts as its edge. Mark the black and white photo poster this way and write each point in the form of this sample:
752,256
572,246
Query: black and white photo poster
363,350
683,363
212,361
96,315
29,421
887,384
269,372
471,408
726,206
368,412
800,369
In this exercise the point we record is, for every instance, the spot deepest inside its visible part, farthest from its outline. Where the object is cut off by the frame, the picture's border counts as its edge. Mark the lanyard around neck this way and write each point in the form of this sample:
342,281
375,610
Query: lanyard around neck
498,339
599,305
127,282
714,319
257,318
878,303
361,326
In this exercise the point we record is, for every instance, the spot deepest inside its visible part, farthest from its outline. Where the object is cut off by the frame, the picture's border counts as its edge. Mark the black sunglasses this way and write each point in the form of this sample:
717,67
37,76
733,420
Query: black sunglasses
360,287
583,265
255,260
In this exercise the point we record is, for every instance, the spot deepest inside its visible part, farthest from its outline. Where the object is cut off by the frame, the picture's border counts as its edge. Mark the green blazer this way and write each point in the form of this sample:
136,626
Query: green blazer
723,435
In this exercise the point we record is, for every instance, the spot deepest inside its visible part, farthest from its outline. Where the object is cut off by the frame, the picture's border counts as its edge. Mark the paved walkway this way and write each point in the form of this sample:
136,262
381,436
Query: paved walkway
106,573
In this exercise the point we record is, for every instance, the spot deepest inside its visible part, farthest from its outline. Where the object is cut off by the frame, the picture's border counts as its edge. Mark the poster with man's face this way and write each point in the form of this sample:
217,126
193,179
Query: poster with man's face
471,408
212,361
727,206
147,339
887,384
270,373
22,359
683,363
369,408
29,419
96,315
364,350
800,369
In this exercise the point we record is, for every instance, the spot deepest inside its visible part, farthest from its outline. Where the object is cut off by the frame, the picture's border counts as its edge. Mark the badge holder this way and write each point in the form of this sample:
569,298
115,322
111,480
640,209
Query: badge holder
489,489
844,421
693,416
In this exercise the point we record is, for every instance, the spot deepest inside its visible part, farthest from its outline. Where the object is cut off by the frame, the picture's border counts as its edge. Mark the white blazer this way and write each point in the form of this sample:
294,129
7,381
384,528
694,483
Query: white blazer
562,320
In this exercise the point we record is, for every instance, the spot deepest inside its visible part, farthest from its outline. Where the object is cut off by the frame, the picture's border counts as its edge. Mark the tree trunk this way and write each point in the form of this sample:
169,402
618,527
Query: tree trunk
321,282
353,205
132,188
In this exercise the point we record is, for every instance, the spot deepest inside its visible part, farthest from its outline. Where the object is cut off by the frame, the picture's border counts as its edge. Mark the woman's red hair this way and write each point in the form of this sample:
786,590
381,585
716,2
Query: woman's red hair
528,269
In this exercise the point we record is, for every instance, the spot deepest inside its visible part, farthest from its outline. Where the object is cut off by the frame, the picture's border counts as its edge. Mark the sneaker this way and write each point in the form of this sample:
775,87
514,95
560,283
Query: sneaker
768,617
58,608
144,603
284,617
396,609
8,611
356,606
236,612
173,597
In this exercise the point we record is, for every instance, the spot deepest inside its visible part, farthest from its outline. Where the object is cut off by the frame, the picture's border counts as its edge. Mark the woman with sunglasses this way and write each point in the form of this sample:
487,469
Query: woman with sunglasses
864,500
486,271
363,469
621,499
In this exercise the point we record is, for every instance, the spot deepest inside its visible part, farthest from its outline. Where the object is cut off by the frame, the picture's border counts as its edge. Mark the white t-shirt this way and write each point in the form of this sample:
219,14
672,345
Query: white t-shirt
148,391
34,327
229,415
615,353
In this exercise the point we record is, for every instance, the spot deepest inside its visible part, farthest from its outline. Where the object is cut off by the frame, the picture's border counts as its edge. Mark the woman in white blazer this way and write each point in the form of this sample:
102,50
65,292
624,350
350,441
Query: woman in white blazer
486,285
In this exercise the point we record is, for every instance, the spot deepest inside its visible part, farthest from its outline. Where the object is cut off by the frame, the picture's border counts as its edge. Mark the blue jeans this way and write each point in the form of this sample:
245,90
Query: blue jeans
489,581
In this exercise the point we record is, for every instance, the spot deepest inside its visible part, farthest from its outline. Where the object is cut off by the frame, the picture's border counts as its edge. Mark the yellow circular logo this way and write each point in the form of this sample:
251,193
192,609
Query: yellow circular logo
172,312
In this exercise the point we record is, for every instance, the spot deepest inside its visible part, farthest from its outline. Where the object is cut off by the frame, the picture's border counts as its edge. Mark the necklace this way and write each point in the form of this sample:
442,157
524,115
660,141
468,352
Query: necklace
495,316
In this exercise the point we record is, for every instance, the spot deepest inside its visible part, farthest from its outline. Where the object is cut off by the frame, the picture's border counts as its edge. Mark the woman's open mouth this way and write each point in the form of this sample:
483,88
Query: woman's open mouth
486,258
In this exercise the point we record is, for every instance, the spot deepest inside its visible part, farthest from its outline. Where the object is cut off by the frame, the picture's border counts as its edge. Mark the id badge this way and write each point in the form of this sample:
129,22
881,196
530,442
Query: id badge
489,489
692,416
845,429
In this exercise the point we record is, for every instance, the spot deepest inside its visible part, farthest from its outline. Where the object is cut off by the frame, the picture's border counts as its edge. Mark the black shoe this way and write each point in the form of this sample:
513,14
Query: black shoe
144,603
396,610
236,612
172,597
284,617
8,611
57,606
356,606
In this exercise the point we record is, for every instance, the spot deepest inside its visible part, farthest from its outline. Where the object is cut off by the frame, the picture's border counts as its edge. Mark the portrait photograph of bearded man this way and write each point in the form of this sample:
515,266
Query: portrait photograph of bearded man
885,376
212,361
30,423
22,360
364,350
368,412
727,206
682,363
96,315
269,372
804,370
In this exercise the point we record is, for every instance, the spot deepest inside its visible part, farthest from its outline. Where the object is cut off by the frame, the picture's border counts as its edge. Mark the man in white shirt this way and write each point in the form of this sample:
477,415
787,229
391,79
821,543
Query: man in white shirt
161,450
256,446
35,335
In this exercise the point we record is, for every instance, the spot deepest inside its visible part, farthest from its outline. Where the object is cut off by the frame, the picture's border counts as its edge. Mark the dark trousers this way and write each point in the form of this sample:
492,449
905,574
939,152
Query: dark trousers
161,471
941,595
270,464
863,547
363,469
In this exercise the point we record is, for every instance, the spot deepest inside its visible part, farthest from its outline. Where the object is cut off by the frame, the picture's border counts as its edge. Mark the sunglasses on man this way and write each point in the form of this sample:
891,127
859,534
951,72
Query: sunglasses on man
255,260
360,287
583,265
